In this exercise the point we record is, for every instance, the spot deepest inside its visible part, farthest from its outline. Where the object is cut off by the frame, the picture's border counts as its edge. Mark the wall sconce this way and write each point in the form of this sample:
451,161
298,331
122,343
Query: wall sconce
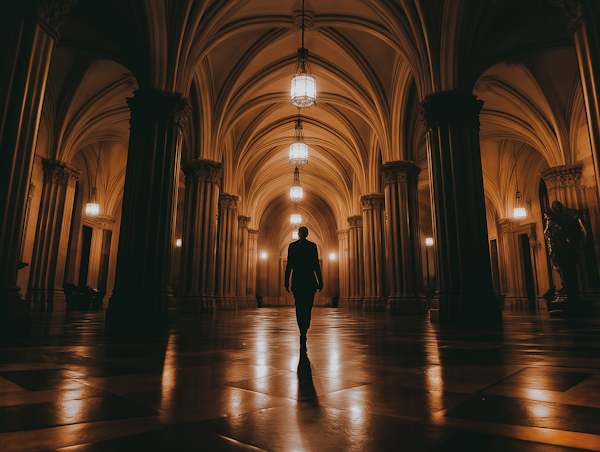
263,255
178,242
332,256
429,241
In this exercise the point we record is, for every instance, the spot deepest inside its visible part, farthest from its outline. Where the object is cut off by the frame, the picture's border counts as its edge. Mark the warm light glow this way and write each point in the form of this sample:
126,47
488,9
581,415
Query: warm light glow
296,219
263,255
178,242
429,241
332,256
296,194
298,148
519,213
295,235
304,90
92,209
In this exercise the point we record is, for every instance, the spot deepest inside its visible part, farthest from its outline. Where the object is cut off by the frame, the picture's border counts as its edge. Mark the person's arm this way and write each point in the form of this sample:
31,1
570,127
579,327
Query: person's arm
318,270
288,269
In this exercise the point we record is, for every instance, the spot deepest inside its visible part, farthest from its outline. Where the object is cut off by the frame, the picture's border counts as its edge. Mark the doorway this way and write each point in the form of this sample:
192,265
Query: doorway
85,255
528,271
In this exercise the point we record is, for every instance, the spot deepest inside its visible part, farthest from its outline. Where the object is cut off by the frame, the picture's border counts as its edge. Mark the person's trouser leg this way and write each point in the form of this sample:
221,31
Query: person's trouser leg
304,304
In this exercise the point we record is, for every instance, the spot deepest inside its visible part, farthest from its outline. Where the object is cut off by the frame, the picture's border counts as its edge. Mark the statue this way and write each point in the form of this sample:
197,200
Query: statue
564,233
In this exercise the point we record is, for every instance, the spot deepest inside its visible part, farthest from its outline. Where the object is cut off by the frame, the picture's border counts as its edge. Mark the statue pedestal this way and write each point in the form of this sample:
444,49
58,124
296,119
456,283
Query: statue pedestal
567,304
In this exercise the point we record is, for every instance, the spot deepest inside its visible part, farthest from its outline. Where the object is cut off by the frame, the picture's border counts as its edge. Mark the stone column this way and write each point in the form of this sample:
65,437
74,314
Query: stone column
343,269
199,237
142,295
356,261
98,224
252,258
583,19
225,288
374,265
403,237
28,31
49,258
464,285
242,266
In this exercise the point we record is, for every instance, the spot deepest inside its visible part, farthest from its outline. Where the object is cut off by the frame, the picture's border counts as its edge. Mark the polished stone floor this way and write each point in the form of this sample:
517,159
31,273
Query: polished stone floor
236,381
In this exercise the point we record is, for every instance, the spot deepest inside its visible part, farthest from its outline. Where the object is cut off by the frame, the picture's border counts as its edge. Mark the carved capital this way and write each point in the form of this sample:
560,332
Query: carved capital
53,13
446,107
253,231
155,105
400,171
342,234
508,225
562,176
356,221
57,172
203,170
100,222
373,201
243,221
228,201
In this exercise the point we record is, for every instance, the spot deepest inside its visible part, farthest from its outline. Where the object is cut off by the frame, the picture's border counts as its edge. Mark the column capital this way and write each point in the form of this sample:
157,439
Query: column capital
355,221
52,14
373,201
229,201
199,169
342,234
573,11
562,176
100,222
154,104
444,107
253,231
58,172
243,221
403,171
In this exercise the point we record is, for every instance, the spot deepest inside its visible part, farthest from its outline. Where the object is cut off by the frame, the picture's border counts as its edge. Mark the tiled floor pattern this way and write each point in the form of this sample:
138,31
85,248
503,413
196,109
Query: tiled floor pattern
236,381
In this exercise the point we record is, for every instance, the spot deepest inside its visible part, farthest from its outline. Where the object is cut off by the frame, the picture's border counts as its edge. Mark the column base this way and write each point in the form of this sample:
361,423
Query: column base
226,304
49,300
195,305
344,303
375,304
567,304
406,306
469,310
127,310
15,314
355,303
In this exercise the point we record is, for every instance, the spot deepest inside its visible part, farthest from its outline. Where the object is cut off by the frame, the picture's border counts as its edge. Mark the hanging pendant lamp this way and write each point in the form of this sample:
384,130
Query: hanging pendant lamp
519,212
304,85
294,235
298,148
92,208
296,192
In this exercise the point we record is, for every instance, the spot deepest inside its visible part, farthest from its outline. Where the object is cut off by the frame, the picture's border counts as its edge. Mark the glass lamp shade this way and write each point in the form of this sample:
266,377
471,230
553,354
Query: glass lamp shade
296,219
298,153
296,193
178,242
294,235
429,241
92,209
332,256
304,90
519,213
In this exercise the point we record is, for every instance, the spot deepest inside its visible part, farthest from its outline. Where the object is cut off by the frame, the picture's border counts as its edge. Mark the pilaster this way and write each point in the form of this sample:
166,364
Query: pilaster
403,258
564,185
252,262
343,267
465,291
242,264
48,262
356,261
373,221
225,288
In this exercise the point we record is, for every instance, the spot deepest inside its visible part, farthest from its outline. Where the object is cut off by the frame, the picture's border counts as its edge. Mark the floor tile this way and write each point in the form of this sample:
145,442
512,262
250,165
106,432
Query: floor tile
35,380
545,379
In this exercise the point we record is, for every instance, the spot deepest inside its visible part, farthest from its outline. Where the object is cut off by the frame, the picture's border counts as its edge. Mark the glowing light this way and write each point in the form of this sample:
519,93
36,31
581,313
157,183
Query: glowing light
92,209
332,256
263,255
178,242
429,241
294,235
298,148
296,219
519,213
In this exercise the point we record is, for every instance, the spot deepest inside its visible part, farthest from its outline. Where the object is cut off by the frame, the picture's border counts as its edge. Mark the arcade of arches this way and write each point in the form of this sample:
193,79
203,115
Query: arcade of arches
178,114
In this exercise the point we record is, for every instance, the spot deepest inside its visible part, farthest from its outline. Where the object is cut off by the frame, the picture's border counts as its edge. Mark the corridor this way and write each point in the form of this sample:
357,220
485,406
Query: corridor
232,381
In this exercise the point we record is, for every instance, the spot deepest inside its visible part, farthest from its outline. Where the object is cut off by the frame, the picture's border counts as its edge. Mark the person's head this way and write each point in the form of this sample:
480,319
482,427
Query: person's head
302,232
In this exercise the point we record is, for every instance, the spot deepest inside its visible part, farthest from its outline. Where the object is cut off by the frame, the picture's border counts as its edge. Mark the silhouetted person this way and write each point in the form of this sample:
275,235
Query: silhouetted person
303,264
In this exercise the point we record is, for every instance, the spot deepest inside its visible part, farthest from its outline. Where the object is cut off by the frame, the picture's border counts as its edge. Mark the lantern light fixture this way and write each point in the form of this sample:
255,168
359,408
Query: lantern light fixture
296,192
263,255
304,85
296,219
298,148
332,256
429,241
178,243
519,212
295,235
92,208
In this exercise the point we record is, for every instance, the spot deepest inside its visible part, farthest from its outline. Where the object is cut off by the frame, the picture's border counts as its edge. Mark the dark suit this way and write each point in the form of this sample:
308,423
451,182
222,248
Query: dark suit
303,264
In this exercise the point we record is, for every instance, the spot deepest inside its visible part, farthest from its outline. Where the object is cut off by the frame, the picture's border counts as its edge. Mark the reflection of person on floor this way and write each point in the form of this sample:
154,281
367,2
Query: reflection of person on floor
303,264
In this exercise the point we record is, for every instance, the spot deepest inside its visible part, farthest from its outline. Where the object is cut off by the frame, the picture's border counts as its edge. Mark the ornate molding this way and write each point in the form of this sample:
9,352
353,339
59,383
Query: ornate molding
203,170
449,106
57,172
373,201
53,13
100,222
356,221
156,105
253,231
570,10
562,176
243,221
228,201
402,171
342,234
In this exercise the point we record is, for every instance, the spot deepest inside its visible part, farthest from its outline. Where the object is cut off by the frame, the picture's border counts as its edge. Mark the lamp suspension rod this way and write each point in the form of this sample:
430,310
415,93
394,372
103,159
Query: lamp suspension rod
302,23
